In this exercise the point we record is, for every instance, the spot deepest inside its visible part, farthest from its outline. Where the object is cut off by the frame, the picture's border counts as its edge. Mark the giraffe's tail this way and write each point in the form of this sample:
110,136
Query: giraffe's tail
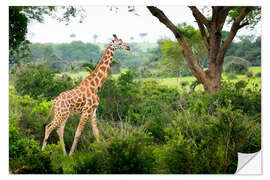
45,123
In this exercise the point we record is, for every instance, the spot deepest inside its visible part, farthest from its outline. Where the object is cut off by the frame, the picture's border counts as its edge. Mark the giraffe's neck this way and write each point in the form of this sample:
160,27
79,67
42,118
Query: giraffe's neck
98,76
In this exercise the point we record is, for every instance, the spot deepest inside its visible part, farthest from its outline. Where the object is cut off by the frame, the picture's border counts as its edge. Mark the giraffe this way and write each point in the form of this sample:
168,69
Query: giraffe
82,99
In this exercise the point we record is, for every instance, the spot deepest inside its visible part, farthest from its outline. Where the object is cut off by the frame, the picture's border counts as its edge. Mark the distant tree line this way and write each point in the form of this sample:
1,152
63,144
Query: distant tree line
67,56
249,48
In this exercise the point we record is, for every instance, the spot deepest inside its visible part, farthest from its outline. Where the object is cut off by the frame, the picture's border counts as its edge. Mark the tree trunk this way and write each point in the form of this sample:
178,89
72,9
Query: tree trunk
211,39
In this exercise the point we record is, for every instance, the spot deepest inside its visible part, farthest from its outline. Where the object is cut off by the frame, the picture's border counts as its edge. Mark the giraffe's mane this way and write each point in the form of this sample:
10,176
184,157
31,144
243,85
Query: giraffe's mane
96,69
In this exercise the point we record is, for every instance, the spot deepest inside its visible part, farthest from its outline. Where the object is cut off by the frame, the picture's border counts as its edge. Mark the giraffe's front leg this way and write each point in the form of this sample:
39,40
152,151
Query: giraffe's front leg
80,127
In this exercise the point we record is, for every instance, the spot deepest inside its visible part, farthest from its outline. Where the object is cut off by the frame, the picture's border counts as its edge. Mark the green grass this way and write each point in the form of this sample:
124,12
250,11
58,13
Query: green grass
77,74
174,82
84,74
255,69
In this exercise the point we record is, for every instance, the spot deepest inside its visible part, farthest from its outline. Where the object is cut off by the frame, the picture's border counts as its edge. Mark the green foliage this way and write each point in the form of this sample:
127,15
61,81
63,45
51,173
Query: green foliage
127,150
138,103
144,128
231,76
249,74
89,67
258,74
77,50
210,130
184,83
249,48
253,17
236,65
124,149
25,155
19,19
207,144
39,80
173,58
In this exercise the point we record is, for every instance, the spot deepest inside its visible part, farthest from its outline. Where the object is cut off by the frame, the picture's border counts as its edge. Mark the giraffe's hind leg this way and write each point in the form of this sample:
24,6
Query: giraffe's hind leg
48,129
58,119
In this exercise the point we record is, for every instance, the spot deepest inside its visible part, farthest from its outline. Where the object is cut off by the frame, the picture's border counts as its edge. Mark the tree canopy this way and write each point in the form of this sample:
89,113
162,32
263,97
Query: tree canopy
21,16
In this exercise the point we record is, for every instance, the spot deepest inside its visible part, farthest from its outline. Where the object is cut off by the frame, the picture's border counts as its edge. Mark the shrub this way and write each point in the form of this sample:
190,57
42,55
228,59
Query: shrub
249,74
85,163
258,74
231,76
123,150
237,65
37,79
184,83
207,144
25,155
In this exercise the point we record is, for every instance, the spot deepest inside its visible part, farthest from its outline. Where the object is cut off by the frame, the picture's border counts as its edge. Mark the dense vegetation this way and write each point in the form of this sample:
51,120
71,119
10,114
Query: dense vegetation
145,128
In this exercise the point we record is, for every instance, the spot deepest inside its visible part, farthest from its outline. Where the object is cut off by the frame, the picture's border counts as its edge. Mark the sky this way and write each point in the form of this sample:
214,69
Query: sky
100,20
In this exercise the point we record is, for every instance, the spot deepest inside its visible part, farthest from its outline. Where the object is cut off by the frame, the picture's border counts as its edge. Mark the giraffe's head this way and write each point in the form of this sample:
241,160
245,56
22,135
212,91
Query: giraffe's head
119,44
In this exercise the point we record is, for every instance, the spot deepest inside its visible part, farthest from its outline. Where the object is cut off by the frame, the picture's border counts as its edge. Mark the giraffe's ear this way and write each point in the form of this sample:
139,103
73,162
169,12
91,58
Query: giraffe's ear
115,37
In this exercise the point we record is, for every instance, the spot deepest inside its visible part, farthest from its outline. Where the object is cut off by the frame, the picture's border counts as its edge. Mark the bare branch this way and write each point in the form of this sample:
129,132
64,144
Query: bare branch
204,35
242,25
201,20
199,16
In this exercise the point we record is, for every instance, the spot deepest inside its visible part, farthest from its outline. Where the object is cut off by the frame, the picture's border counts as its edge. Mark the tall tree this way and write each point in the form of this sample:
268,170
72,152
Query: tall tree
21,16
211,31
173,55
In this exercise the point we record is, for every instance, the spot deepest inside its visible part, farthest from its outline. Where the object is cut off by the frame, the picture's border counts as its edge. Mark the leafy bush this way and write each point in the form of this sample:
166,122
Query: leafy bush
25,155
38,80
207,144
123,150
231,76
184,83
138,103
249,74
237,65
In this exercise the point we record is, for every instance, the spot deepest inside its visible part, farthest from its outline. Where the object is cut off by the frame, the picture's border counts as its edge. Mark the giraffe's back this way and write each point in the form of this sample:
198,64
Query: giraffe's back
74,100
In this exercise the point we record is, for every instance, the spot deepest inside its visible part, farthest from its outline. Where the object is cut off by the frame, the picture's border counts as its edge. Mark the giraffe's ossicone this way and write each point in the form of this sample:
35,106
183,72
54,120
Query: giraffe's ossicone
82,99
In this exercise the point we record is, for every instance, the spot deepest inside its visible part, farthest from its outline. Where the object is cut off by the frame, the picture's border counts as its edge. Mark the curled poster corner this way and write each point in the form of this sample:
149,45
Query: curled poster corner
249,163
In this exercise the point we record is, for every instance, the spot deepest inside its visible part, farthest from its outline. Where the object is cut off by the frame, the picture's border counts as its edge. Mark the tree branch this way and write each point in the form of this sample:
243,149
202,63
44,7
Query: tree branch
204,35
191,61
224,13
234,29
242,25
199,16
201,20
